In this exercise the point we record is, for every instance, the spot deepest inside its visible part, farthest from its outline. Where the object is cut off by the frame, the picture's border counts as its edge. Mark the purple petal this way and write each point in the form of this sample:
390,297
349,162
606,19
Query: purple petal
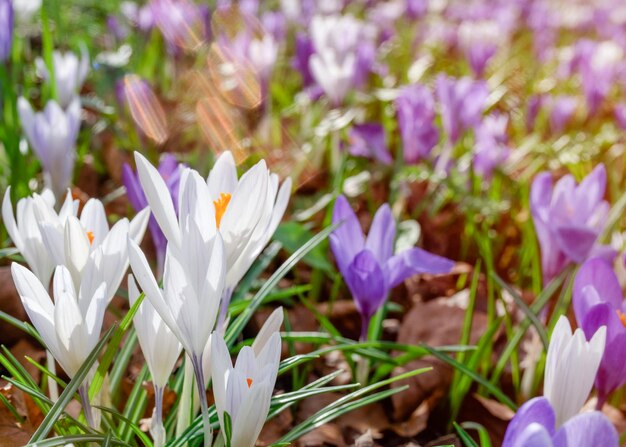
576,241
135,194
348,239
366,281
412,262
587,430
595,283
590,191
368,140
382,234
535,411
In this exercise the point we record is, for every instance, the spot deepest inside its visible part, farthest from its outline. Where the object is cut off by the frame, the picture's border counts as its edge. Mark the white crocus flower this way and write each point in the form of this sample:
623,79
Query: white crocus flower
160,348
91,252
52,135
70,327
26,234
571,366
69,73
245,390
245,211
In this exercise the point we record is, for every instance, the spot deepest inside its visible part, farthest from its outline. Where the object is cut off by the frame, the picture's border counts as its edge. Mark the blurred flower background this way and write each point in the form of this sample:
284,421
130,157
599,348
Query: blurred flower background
479,144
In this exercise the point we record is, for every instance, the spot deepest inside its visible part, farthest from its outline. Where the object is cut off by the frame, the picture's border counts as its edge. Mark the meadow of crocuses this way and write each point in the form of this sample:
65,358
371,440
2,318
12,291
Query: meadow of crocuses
313,222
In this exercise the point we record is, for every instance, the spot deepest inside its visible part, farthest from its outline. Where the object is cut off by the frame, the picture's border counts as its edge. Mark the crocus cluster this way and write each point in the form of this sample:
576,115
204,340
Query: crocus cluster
368,265
568,219
553,420
598,302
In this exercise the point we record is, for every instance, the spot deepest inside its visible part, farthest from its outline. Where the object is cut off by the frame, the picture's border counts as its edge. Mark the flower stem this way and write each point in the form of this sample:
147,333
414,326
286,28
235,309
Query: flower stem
53,387
157,430
206,423
184,408
83,391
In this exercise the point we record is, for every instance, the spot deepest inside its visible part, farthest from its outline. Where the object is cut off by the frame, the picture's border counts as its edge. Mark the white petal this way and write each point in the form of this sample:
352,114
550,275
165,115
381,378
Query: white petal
271,326
159,198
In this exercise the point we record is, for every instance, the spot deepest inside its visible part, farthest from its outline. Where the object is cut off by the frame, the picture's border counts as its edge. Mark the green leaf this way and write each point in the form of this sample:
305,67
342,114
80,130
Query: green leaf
227,428
238,325
68,394
465,437
293,236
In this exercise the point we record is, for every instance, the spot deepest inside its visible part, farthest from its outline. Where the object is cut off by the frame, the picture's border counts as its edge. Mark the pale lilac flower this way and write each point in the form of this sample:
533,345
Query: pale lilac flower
568,219
6,29
368,140
335,63
416,119
69,74
598,301
534,425
599,64
52,135
368,265
491,147
462,103
180,21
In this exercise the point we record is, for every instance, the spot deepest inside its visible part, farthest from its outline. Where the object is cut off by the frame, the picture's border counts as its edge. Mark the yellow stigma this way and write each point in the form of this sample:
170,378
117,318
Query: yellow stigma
622,317
90,237
220,207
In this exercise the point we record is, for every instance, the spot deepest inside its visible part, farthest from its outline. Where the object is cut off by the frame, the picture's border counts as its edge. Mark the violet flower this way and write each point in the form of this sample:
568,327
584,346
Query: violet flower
170,170
562,110
491,148
181,23
52,135
368,140
416,119
478,40
568,219
303,52
534,425
462,103
598,301
368,265
6,29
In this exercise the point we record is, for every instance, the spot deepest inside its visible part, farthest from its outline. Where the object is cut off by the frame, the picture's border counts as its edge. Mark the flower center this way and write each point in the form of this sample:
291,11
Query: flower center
90,237
220,207
249,381
622,316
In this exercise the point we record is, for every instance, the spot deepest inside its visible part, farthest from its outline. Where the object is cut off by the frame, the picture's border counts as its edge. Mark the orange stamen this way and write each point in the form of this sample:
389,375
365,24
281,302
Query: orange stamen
90,237
249,380
220,207
622,317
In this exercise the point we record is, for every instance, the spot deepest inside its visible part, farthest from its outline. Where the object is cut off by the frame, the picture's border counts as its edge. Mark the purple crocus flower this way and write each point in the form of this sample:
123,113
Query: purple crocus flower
535,102
416,119
368,265
598,301
462,104
416,8
599,64
568,219
170,170
491,148
180,22
534,425
562,110
6,29
368,140
303,52
478,40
